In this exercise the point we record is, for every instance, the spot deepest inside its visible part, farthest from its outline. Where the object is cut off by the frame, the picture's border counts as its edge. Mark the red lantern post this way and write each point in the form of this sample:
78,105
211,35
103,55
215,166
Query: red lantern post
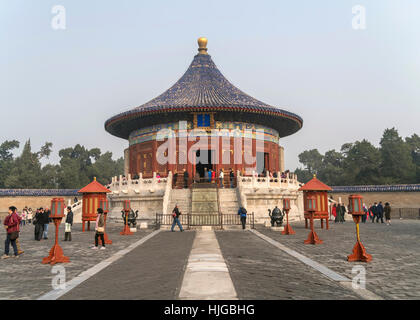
56,253
356,210
288,228
104,205
311,208
127,208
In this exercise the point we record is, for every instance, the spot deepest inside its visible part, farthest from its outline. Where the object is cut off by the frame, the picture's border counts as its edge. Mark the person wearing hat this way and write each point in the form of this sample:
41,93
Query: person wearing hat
68,224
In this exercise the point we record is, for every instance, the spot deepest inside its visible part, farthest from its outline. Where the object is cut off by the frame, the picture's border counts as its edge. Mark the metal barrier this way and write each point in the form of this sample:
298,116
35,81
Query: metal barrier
213,220
405,213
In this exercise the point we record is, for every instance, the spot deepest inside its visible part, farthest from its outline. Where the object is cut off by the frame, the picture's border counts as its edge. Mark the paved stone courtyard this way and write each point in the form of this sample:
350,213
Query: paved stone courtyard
393,273
155,269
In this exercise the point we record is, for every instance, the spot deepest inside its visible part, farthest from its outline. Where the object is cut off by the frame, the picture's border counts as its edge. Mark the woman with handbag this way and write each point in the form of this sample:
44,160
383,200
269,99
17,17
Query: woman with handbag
100,229
11,224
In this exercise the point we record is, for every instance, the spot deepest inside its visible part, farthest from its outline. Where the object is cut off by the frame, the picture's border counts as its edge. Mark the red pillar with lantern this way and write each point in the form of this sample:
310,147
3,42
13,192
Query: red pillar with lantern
319,190
356,210
127,208
287,228
93,193
311,206
56,253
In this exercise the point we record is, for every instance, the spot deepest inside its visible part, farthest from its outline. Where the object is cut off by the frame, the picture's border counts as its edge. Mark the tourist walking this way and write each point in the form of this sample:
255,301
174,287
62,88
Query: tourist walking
186,176
380,212
68,224
242,213
365,211
175,215
213,176
231,177
209,175
343,212
11,224
374,211
46,222
387,210
38,222
100,229
338,213
30,216
334,211
221,176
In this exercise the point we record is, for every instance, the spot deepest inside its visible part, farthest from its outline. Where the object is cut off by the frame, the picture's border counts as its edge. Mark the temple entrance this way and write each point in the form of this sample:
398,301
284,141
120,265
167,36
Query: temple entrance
262,162
203,163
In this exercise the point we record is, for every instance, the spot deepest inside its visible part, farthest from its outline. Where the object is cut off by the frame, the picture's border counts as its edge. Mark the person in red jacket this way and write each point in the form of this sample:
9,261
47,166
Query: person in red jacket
11,224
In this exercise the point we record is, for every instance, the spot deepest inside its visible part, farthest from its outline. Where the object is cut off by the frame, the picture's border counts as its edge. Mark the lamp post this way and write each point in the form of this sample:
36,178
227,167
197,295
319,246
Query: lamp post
104,205
287,228
311,207
356,210
56,253
127,208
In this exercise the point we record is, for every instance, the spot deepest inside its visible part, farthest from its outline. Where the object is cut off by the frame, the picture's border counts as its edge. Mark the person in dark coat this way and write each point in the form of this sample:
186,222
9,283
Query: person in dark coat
175,214
38,222
46,220
387,210
380,213
231,177
337,213
68,224
186,176
242,213
374,211
343,212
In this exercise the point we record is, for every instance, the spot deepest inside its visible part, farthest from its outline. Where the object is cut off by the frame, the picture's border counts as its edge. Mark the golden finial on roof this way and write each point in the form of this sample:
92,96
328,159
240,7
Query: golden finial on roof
314,176
94,178
202,45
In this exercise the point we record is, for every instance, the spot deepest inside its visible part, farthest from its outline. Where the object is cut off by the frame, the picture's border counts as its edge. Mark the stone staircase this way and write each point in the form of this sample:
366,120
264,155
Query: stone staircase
182,197
204,201
228,201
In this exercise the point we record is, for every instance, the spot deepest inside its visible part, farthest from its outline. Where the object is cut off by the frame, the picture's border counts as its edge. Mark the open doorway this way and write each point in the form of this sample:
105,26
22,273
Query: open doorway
203,162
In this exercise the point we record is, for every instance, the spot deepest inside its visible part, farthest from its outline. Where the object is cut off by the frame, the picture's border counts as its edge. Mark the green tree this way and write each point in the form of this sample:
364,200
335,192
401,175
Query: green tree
26,171
6,159
361,164
332,168
397,164
312,160
413,143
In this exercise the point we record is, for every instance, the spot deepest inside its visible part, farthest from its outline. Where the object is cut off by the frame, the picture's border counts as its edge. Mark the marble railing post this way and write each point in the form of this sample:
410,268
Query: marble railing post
140,180
267,179
154,181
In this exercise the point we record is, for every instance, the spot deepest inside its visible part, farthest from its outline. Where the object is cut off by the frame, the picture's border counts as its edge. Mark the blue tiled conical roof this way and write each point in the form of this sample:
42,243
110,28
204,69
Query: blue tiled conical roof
203,88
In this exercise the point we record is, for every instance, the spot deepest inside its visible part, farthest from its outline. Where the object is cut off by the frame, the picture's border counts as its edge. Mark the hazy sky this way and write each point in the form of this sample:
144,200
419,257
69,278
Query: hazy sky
303,56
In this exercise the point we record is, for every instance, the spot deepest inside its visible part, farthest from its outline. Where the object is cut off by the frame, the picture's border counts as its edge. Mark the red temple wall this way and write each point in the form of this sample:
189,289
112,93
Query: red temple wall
142,157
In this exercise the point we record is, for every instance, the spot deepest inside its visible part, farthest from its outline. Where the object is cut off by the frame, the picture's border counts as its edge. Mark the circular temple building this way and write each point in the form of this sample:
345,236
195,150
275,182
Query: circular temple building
211,125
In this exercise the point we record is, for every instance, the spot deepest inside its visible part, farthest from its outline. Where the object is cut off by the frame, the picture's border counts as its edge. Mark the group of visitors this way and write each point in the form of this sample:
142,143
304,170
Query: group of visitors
375,211
339,210
41,222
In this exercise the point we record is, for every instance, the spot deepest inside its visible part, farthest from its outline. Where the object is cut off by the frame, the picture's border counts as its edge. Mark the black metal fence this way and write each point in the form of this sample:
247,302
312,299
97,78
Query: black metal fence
405,213
212,220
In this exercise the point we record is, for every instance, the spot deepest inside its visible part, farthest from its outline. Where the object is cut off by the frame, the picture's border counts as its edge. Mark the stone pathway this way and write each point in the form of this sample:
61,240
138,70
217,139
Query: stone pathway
27,278
394,272
153,270
207,276
261,271
221,264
